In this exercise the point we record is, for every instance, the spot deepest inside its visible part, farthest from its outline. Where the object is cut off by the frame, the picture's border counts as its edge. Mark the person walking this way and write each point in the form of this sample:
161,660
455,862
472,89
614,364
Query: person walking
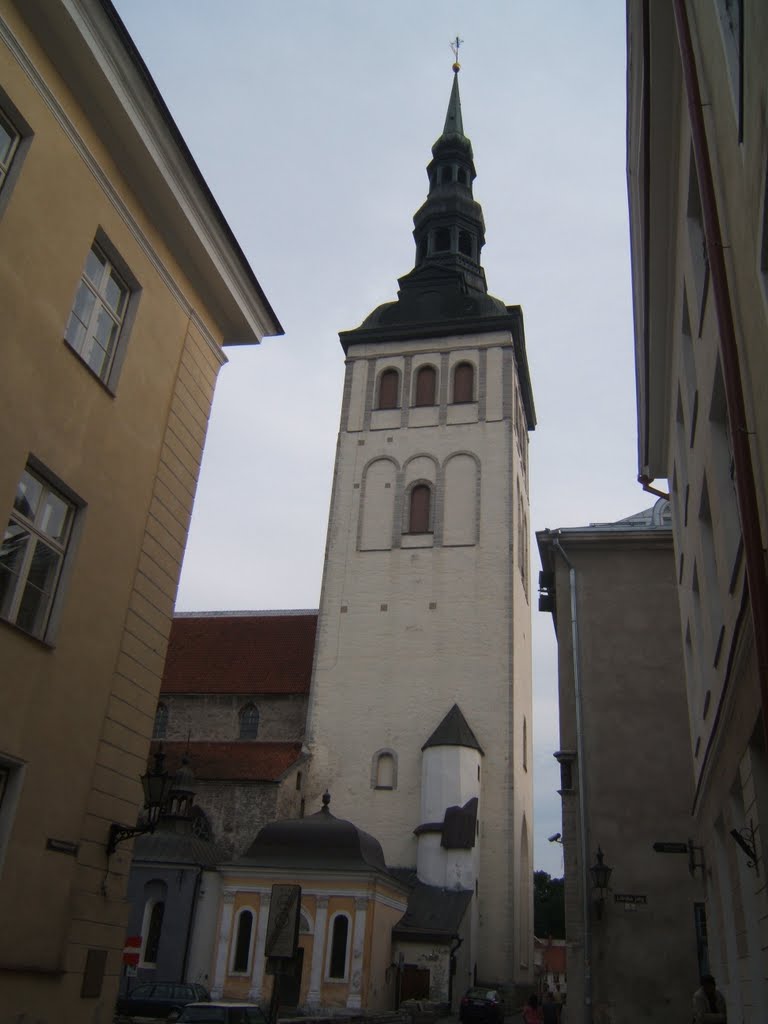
709,1003
532,1012
550,1010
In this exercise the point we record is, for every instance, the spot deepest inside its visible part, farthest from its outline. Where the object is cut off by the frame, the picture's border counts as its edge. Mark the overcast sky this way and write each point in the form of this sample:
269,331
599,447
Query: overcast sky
312,121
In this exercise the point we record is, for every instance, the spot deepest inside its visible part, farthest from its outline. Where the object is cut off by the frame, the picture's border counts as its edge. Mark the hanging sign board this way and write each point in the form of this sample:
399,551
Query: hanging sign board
132,950
283,923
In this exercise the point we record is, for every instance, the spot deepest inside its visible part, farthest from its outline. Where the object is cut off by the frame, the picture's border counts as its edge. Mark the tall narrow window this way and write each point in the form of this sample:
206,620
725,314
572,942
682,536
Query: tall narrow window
426,386
98,313
337,967
420,508
389,387
385,771
9,143
241,955
154,929
160,730
249,722
32,553
464,383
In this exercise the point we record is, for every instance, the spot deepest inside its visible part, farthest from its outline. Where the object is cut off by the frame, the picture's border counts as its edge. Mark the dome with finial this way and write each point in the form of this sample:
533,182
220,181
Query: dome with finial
320,840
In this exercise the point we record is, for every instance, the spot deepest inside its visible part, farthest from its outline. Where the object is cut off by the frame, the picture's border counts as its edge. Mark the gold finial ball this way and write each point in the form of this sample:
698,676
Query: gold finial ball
456,67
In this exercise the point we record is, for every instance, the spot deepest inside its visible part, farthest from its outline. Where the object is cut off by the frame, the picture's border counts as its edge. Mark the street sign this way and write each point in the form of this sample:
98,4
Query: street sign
671,847
283,923
631,898
132,951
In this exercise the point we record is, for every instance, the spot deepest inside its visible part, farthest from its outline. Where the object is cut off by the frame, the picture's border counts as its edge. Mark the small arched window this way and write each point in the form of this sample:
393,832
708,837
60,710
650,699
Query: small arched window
154,929
464,383
389,388
465,243
385,771
419,509
446,175
242,952
463,176
426,386
337,966
442,240
249,722
160,728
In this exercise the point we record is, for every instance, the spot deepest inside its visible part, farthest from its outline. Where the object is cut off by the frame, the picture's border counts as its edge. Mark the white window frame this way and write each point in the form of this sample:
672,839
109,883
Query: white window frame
329,948
98,291
62,547
233,942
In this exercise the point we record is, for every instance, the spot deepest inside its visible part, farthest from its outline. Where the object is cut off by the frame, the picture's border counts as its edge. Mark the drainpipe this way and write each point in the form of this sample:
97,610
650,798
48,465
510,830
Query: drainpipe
582,775
744,476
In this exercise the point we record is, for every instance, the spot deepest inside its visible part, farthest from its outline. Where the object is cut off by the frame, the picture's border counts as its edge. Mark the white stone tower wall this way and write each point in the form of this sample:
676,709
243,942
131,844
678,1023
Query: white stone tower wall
407,631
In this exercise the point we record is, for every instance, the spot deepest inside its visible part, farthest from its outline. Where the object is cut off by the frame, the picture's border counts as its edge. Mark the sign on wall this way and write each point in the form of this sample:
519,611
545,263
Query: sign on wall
283,922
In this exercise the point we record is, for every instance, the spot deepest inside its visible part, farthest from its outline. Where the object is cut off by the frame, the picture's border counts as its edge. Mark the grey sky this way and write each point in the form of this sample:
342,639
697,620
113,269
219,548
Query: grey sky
312,121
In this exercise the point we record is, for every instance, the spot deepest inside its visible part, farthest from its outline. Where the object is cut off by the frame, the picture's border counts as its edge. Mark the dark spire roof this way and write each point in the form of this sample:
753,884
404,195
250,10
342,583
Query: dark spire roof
453,122
453,731
446,292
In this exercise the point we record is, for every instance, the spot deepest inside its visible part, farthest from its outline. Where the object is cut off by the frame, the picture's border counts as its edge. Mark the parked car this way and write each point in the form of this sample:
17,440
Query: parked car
222,1013
160,1000
483,1004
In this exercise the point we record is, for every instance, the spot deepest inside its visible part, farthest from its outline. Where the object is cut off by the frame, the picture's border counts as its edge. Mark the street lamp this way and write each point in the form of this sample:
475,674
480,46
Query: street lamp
157,785
601,875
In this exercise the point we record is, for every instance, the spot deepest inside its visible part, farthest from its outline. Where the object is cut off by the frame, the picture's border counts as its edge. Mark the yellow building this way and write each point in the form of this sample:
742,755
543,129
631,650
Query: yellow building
349,907
120,281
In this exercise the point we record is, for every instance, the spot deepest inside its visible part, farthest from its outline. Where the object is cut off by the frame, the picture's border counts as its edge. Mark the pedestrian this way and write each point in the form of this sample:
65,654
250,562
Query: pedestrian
709,1003
532,1013
550,1009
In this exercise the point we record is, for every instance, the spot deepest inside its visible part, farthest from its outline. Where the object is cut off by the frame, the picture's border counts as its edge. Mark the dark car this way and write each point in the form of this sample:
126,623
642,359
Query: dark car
222,1013
484,1004
161,999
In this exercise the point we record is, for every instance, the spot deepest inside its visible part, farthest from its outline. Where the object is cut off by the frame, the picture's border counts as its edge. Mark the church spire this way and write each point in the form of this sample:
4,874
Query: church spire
447,283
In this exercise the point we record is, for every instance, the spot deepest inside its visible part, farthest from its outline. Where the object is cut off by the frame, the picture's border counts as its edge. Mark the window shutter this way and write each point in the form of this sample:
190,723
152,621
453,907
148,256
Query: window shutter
426,379
464,383
388,388
419,512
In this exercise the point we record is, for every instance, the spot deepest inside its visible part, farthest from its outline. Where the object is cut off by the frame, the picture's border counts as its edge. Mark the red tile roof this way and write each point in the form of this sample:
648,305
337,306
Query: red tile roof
240,653
243,761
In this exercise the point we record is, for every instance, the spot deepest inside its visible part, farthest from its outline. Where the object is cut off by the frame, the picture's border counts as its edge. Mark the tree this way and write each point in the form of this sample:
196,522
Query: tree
548,906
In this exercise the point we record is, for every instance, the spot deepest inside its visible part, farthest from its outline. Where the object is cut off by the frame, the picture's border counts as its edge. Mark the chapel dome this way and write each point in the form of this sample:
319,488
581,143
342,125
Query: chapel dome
320,840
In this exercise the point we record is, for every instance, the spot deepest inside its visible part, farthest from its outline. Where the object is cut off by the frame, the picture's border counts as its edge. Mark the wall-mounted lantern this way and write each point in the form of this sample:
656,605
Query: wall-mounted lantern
601,875
157,785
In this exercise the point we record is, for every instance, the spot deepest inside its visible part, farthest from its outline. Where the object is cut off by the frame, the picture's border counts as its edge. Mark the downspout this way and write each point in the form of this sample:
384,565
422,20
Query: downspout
582,775
744,477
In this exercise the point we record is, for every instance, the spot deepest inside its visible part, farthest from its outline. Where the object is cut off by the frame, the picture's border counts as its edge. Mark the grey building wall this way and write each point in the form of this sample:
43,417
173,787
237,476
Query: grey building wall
637,774
216,717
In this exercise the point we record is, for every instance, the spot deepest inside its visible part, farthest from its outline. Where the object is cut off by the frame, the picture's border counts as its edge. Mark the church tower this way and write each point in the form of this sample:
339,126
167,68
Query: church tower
420,707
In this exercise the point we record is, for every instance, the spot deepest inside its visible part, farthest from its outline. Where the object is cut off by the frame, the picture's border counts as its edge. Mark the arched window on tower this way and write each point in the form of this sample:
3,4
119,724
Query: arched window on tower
464,383
446,175
389,388
160,728
442,242
420,509
421,251
463,177
426,386
465,243
249,722
384,770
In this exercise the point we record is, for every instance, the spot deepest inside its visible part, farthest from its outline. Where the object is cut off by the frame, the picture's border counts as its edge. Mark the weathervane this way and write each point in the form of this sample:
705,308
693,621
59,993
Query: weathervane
455,44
